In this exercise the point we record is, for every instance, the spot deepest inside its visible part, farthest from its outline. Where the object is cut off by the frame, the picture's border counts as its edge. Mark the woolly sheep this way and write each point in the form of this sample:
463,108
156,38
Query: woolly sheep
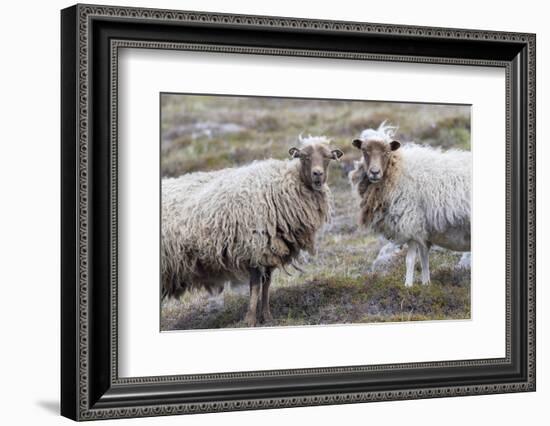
413,194
240,224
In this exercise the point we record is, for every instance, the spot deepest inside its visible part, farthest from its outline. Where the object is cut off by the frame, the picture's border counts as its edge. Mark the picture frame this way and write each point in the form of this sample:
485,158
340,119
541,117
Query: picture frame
91,37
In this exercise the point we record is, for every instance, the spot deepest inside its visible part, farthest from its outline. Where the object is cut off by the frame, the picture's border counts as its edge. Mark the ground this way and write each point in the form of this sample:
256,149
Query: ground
337,284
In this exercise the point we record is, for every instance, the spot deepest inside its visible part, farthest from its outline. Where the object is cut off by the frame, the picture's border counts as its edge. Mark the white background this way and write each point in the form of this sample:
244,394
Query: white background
140,343
29,229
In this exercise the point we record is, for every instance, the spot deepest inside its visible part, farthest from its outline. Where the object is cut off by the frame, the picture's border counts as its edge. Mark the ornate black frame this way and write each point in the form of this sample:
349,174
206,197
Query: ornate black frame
91,37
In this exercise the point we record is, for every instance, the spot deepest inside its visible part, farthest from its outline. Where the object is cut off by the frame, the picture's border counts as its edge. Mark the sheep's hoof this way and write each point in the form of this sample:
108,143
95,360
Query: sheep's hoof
267,317
426,282
250,320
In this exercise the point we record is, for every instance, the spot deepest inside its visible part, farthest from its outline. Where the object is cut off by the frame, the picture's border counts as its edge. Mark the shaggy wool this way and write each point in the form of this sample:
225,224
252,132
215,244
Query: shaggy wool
218,225
424,192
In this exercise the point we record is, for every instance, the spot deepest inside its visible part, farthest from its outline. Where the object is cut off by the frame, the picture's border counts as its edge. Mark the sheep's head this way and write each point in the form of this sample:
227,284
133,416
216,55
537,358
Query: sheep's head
315,155
377,147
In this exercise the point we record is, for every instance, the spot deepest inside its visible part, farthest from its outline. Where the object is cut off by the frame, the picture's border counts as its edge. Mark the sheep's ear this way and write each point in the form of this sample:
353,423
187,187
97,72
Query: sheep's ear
394,145
336,154
294,152
357,143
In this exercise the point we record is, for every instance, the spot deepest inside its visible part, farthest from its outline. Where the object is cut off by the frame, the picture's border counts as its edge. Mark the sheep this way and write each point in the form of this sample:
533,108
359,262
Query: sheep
413,194
240,224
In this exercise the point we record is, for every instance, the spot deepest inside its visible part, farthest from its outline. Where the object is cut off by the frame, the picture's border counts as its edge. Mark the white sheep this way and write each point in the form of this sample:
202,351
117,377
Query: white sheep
414,194
240,224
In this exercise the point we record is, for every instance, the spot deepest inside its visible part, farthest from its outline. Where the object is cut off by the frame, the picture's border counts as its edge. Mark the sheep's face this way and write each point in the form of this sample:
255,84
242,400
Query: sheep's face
376,154
314,159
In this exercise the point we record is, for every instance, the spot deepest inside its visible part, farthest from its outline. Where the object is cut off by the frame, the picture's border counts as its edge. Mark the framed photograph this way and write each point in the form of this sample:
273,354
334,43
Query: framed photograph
263,212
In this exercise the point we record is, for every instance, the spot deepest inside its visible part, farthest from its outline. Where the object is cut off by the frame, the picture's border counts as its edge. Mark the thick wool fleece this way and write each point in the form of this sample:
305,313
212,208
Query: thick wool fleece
425,192
218,225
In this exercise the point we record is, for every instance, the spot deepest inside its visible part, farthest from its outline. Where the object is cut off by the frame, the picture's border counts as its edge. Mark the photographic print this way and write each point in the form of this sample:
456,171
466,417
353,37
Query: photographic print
308,212
318,197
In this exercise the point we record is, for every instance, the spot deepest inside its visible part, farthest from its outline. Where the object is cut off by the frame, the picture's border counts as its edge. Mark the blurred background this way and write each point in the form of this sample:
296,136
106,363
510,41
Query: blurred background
355,277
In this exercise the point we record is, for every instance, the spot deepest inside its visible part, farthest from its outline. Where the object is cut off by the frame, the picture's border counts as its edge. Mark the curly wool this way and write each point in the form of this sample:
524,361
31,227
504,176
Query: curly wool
424,192
218,225
385,132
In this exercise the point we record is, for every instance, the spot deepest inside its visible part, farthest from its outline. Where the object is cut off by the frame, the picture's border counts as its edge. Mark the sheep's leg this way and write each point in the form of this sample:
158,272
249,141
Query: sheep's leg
255,284
410,262
425,262
266,312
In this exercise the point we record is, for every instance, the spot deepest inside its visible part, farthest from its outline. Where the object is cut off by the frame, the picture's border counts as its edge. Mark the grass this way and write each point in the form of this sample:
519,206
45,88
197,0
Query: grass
336,285
332,299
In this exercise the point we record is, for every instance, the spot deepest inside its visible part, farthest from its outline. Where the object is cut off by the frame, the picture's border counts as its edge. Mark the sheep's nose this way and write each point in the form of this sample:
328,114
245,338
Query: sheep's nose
317,173
375,172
